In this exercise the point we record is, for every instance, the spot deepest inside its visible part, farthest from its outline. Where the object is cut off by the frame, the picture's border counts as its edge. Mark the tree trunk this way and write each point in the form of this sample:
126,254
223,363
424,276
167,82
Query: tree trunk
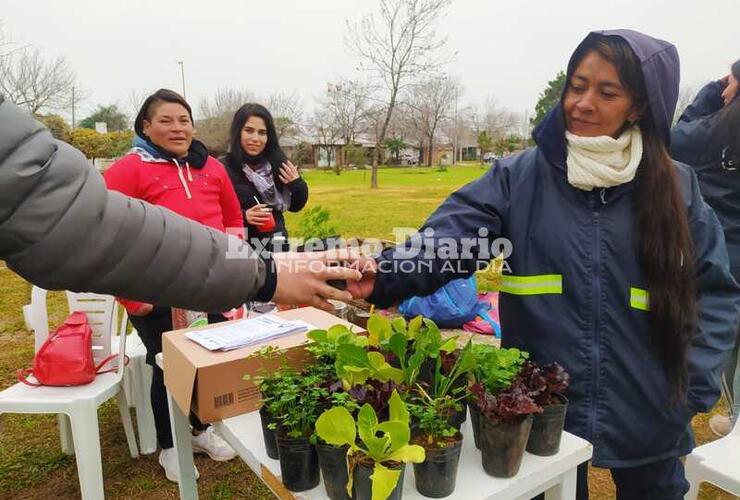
374,174
431,151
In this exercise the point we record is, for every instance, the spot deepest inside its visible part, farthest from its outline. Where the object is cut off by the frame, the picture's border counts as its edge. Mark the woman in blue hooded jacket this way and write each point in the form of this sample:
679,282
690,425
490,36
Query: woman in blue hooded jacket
618,269
707,137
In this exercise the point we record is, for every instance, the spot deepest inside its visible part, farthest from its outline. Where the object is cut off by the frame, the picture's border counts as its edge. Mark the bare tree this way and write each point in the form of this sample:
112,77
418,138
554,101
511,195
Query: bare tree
498,121
431,102
287,111
215,116
225,101
28,79
397,45
347,103
328,134
134,100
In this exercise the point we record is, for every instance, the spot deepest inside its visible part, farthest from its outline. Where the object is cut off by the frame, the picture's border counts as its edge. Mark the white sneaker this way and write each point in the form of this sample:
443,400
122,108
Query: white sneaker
168,461
210,443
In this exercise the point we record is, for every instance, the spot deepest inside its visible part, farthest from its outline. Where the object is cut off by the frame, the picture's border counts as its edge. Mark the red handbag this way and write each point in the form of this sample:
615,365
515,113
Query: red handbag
66,358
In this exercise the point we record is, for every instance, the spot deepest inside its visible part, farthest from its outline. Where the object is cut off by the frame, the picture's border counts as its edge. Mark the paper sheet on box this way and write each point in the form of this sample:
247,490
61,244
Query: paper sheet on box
245,333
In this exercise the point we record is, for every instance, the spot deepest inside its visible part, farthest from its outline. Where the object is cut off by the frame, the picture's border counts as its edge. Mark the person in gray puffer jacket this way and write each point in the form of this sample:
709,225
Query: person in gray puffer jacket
60,228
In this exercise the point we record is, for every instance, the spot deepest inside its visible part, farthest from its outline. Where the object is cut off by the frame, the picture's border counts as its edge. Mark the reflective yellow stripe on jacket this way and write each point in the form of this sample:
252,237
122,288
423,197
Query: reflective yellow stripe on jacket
640,299
541,284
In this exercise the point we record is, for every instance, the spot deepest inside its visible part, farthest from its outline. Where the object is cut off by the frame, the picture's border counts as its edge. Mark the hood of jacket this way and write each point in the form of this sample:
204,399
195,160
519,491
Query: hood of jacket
661,72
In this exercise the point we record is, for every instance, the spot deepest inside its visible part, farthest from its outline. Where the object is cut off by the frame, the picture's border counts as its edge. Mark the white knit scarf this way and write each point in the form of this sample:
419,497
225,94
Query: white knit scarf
600,162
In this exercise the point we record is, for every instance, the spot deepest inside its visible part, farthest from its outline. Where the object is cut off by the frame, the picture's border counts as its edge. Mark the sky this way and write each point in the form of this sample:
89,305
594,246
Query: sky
503,50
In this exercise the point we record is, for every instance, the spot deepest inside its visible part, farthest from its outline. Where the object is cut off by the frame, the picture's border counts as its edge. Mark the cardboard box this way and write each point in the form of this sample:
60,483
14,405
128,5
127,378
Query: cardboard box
210,382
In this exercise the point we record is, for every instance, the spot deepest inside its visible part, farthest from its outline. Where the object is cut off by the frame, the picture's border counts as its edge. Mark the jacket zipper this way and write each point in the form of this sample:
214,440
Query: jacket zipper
596,206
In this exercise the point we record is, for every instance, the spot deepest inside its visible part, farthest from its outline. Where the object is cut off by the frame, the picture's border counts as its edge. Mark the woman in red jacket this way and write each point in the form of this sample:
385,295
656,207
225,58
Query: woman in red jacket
168,167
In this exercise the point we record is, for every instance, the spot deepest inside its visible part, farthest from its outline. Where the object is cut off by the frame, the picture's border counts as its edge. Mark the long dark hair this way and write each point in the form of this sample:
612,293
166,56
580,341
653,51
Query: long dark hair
147,108
666,249
236,156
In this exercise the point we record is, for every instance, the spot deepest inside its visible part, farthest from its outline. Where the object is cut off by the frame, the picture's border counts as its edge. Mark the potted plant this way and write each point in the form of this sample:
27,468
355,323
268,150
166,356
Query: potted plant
495,369
267,383
324,343
377,451
354,365
547,385
268,386
442,442
415,346
295,406
505,423
333,458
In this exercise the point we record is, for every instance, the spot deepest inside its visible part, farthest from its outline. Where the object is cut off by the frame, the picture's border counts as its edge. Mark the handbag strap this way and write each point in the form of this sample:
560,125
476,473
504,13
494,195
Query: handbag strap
23,375
106,360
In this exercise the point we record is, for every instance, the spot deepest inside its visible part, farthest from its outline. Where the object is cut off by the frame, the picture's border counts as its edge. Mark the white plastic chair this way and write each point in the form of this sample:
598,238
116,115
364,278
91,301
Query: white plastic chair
717,462
78,404
137,380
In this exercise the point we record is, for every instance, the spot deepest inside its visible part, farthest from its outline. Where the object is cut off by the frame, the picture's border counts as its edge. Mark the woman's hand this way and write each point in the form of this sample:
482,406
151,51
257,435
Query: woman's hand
288,172
257,215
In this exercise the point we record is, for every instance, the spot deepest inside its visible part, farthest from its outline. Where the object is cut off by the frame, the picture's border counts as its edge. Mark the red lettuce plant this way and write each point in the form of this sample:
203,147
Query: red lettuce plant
508,406
544,382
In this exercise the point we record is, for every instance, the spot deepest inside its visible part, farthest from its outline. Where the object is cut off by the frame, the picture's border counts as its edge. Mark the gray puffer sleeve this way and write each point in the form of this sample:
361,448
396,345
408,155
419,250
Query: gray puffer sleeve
60,228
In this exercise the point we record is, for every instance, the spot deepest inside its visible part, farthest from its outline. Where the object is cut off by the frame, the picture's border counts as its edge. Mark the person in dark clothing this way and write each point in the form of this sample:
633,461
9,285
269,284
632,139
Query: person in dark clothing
617,268
169,168
266,182
707,137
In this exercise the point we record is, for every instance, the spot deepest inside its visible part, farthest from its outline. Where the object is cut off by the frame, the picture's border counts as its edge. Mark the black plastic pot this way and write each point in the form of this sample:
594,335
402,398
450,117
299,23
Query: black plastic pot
475,422
436,476
362,487
333,464
268,435
299,463
547,427
502,446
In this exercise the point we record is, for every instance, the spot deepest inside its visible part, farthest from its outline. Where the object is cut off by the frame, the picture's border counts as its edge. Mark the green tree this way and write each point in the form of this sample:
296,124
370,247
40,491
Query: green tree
315,222
485,143
302,154
548,97
58,127
91,143
506,145
354,155
121,143
111,115
395,145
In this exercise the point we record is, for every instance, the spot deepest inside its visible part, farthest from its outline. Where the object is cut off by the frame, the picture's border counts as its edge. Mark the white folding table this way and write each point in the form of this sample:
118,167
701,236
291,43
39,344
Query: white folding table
555,475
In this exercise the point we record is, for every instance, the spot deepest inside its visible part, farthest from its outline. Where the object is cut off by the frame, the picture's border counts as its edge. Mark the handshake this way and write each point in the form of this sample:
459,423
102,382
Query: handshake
312,278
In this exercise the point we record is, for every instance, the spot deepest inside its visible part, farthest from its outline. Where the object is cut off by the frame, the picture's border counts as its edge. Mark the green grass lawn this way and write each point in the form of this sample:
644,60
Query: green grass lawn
31,463
405,198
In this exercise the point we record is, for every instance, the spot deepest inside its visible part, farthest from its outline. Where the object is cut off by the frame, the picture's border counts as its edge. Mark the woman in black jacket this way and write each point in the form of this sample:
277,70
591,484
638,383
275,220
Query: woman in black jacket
266,182
707,137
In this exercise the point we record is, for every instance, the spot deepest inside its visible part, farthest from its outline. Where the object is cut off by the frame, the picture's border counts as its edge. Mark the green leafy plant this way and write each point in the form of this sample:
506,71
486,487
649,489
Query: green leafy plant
294,400
324,343
382,443
315,223
434,405
355,365
497,368
427,344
